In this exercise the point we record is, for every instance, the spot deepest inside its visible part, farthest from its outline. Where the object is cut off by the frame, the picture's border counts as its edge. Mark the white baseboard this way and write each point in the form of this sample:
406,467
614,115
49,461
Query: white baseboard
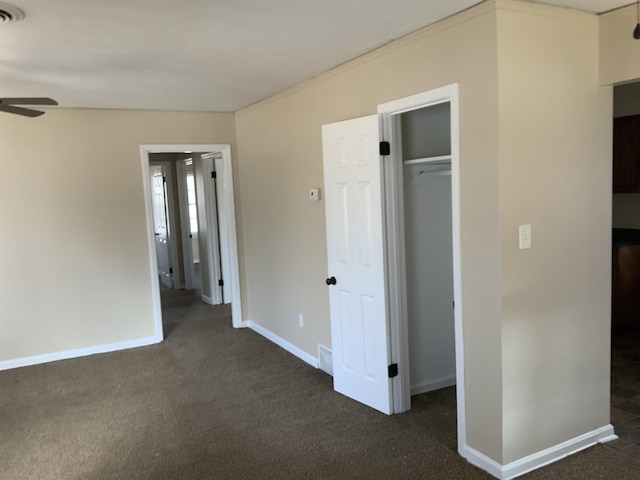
80,352
206,299
425,387
541,458
281,342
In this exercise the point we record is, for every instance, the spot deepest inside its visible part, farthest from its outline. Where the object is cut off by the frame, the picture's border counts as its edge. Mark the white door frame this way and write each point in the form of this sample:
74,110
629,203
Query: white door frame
167,171
396,261
227,175
224,237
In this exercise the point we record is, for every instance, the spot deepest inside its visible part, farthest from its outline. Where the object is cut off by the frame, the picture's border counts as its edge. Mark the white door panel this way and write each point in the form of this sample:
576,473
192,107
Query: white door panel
223,230
209,249
355,249
160,221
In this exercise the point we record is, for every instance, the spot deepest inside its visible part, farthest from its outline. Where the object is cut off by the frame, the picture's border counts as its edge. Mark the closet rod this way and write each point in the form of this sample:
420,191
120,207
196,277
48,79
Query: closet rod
440,173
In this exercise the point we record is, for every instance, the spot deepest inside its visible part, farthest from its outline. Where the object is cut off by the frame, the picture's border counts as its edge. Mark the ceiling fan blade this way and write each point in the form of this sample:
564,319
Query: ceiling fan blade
29,101
27,112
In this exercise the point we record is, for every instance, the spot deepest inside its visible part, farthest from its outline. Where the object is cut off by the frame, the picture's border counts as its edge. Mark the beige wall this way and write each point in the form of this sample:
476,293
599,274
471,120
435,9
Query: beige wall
284,233
619,51
74,264
555,174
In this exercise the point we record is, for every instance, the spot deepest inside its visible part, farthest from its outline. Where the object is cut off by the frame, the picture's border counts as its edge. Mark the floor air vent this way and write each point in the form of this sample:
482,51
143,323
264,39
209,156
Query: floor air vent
325,359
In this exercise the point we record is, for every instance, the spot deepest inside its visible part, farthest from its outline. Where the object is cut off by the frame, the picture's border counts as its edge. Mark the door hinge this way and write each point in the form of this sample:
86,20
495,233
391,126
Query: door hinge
393,370
221,283
164,179
385,148
214,175
171,270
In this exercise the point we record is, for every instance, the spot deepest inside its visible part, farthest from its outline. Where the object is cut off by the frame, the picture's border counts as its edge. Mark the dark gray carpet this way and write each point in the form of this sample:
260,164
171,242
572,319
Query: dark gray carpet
213,402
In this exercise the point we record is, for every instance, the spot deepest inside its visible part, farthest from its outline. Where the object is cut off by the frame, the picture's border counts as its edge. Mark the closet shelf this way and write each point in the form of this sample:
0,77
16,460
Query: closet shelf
442,158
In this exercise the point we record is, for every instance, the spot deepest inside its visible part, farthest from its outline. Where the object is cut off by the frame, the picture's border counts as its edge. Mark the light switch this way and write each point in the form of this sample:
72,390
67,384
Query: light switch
314,194
525,236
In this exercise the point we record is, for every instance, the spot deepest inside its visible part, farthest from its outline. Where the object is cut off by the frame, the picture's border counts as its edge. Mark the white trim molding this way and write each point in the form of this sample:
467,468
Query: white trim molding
539,459
207,299
281,342
77,353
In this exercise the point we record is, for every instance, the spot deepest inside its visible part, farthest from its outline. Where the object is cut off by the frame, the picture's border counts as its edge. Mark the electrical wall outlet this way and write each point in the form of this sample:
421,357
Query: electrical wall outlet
524,236
300,320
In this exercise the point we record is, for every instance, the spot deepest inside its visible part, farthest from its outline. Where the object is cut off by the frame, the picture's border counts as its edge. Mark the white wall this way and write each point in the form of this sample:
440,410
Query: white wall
429,258
426,132
74,264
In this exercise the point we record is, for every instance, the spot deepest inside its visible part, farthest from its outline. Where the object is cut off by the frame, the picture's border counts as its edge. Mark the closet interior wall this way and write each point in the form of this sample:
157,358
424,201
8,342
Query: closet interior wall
426,156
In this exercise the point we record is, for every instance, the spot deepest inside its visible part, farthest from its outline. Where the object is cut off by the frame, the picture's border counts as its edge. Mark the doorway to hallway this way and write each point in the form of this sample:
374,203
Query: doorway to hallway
211,169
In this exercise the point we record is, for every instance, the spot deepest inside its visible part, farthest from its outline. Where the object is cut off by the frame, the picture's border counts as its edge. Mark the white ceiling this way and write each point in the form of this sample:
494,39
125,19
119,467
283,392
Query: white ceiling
200,55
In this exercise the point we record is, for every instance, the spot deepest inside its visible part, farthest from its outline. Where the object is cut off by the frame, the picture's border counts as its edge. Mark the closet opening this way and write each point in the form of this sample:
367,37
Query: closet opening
425,139
423,246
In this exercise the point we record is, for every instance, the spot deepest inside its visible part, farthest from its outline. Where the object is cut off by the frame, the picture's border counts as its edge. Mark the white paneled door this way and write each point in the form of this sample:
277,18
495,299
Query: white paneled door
159,199
356,281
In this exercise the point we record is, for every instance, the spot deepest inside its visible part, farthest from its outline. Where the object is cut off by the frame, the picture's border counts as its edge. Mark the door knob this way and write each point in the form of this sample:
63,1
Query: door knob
331,281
